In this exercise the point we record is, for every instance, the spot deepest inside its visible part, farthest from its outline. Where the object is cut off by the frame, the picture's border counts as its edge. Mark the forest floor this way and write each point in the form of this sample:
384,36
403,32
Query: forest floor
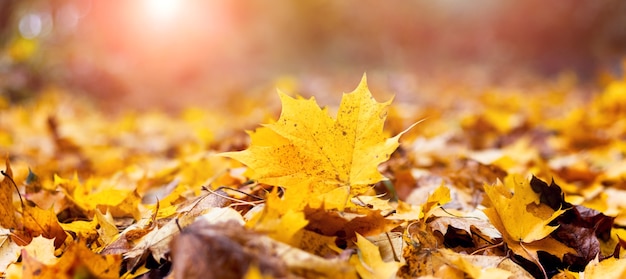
502,183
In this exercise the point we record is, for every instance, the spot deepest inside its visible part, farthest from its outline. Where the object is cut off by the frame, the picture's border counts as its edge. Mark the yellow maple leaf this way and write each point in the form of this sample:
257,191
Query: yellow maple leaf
369,263
523,221
609,268
94,194
439,197
523,217
278,220
100,227
308,149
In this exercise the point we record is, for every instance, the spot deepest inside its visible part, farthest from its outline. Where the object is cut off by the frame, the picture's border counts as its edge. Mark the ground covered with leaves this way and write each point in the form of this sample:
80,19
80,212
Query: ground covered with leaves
499,184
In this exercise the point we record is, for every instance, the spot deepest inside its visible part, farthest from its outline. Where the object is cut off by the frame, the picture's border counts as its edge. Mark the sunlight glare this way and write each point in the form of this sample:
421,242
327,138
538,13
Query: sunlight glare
163,10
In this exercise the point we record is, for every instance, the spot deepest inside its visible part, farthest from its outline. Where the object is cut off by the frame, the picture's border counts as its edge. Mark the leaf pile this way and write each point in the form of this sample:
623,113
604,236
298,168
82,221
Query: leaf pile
501,186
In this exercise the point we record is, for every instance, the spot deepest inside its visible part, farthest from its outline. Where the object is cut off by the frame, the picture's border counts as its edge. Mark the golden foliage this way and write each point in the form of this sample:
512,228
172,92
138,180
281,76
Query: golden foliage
318,196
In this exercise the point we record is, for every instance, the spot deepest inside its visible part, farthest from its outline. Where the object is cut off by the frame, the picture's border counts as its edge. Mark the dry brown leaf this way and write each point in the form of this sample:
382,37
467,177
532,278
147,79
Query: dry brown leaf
228,250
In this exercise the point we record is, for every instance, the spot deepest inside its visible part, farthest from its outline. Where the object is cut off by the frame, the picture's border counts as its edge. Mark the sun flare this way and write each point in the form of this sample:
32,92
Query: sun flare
163,10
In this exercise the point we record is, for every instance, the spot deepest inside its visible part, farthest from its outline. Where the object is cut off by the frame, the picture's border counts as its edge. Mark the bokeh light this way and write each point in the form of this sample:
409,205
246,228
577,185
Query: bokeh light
35,24
134,51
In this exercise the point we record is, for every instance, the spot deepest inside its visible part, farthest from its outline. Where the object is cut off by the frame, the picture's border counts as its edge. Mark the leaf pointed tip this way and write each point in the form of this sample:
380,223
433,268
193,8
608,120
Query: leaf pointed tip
282,94
363,82
7,166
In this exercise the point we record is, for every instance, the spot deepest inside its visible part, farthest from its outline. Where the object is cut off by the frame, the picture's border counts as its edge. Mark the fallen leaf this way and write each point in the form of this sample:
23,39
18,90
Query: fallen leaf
439,197
307,150
76,262
369,263
528,250
609,268
149,239
42,249
524,222
9,250
7,209
37,221
278,224
155,241
484,267
317,244
107,231
583,229
225,251
390,245
405,211
579,227
465,223
254,273
550,195
33,221
512,211
345,225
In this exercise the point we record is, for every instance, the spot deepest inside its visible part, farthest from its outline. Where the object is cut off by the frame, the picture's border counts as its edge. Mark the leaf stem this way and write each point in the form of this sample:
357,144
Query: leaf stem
536,260
14,185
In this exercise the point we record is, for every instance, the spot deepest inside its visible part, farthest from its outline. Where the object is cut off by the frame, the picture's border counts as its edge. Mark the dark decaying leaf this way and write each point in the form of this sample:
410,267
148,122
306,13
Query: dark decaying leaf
551,195
222,250
345,225
580,227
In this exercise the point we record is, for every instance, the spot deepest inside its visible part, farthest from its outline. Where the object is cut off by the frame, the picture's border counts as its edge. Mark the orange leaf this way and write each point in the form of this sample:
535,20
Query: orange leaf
77,262
36,222
7,210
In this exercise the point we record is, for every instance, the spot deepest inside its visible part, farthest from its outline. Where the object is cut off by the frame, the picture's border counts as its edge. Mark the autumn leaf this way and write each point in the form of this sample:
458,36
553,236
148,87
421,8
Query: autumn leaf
42,249
88,197
609,268
254,273
278,221
33,221
76,262
484,267
465,223
37,221
309,150
439,197
100,228
9,250
477,272
346,225
523,221
227,249
7,209
523,217
369,263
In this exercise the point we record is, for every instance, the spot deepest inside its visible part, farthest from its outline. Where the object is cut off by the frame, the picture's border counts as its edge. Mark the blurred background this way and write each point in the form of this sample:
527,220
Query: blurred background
172,53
